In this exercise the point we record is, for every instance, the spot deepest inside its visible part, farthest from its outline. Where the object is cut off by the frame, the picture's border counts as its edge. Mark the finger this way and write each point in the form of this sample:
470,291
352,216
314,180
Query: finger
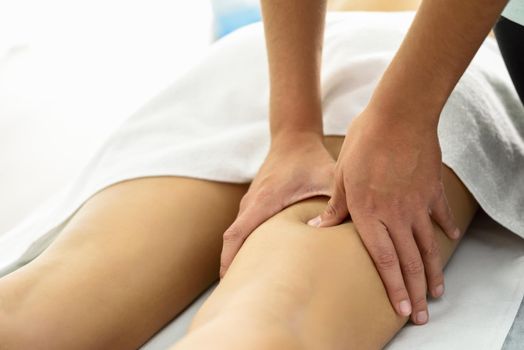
335,212
382,251
412,269
238,232
430,252
443,216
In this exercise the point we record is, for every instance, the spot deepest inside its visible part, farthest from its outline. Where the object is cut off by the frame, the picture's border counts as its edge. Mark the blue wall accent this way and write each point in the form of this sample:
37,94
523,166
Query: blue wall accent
229,17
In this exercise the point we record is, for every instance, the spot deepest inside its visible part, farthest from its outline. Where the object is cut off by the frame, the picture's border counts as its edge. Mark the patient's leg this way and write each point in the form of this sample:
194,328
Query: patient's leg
132,257
296,287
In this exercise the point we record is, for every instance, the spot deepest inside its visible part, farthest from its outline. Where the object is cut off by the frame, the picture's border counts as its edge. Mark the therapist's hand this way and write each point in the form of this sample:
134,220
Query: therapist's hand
297,167
388,177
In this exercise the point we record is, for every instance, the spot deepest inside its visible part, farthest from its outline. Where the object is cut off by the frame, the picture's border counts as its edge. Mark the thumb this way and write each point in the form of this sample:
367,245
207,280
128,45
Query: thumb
335,212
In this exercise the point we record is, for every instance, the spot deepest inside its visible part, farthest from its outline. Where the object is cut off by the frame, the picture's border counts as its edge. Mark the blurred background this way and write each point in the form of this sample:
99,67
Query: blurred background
71,70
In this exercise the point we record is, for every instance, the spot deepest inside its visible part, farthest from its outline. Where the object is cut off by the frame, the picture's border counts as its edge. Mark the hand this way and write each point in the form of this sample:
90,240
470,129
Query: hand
388,176
297,167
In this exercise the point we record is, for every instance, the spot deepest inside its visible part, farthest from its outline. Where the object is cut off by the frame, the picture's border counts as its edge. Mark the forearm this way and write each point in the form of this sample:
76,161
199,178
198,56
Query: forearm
294,34
440,44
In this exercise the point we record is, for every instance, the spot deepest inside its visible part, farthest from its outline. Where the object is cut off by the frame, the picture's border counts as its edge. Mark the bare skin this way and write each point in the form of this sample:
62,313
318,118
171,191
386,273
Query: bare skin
293,286
392,186
129,261
373,5
138,252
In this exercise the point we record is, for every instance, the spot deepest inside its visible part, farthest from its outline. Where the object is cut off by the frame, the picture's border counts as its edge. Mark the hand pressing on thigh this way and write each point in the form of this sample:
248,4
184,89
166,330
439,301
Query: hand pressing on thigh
388,178
297,167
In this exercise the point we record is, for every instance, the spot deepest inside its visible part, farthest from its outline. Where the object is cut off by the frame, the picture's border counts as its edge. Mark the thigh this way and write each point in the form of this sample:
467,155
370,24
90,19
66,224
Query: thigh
319,283
128,261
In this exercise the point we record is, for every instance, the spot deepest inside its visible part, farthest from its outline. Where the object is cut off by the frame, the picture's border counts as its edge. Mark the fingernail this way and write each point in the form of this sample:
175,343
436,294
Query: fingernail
439,290
405,308
456,233
422,317
315,221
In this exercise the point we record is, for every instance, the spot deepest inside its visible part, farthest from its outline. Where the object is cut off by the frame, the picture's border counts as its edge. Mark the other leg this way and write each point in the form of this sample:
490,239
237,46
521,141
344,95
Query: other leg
128,261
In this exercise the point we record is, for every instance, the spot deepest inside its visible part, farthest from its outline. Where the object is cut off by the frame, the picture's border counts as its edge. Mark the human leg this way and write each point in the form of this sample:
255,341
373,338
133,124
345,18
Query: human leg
293,286
128,261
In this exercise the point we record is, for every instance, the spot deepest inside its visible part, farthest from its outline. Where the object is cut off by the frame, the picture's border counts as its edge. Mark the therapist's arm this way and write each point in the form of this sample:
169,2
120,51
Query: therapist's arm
440,44
389,171
297,166
294,34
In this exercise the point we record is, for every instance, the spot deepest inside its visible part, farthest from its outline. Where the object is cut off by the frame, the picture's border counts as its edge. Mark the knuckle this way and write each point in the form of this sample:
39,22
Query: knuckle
331,210
396,203
366,207
232,234
397,293
264,194
386,260
431,251
399,212
245,199
419,204
418,302
390,210
363,211
436,278
413,266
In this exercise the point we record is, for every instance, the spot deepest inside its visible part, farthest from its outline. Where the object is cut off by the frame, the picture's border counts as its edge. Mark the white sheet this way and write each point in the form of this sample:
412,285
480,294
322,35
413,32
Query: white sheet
482,278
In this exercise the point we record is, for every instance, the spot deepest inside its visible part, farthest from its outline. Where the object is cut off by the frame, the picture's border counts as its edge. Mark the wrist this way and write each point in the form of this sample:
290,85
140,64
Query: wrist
401,122
392,111
296,139
295,111
300,122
